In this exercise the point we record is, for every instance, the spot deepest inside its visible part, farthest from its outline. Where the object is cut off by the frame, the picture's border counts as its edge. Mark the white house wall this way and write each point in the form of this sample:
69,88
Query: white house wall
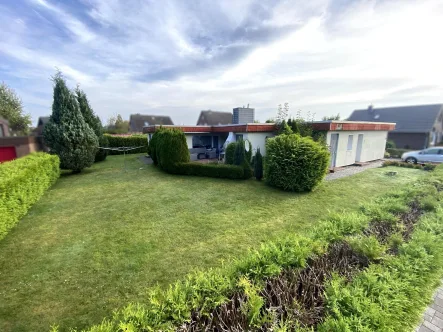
373,147
189,140
258,140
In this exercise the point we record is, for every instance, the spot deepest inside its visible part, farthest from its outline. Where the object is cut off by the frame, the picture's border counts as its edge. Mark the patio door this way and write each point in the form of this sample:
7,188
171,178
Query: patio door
215,142
333,149
359,148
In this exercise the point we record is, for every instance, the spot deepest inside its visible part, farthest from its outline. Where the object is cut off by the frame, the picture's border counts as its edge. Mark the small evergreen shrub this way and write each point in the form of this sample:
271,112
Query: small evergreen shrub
387,155
116,141
390,144
248,172
172,149
295,163
258,165
239,153
229,153
22,182
426,167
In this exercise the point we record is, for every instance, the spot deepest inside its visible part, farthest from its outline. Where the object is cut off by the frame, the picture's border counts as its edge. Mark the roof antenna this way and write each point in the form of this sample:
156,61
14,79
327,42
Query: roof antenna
248,105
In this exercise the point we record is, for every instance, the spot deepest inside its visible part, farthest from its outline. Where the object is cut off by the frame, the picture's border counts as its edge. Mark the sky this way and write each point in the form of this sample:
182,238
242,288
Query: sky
176,57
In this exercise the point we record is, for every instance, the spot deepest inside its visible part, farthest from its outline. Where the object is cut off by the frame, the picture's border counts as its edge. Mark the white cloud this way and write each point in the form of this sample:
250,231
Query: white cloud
175,58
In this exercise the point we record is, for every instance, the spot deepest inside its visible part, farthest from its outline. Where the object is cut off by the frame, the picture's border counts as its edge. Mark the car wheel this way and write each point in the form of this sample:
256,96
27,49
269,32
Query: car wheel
411,160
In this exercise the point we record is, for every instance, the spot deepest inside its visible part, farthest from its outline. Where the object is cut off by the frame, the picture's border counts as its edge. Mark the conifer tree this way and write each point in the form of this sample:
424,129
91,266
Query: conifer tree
67,134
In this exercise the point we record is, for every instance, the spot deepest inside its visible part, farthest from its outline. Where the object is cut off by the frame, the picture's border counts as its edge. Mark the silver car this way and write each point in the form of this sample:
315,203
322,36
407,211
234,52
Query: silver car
431,155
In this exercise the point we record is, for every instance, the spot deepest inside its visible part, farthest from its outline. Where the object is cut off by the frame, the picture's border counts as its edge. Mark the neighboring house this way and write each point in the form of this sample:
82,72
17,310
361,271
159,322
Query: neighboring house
349,142
42,121
213,118
353,142
4,127
138,121
417,127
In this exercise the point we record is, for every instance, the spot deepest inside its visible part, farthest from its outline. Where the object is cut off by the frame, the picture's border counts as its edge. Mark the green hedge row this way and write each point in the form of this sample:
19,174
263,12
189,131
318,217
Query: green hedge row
426,167
396,153
211,170
22,182
116,141
390,295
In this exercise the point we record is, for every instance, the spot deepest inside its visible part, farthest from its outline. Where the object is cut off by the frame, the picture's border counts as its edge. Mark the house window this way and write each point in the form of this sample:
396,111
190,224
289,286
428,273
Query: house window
2,133
350,141
238,137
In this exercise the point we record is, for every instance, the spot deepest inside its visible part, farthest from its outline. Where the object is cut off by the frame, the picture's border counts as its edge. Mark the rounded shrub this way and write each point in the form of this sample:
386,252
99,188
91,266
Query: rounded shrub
229,153
172,149
102,153
295,163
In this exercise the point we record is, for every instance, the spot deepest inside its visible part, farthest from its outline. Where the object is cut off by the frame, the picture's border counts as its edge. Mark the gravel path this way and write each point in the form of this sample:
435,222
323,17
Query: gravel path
351,170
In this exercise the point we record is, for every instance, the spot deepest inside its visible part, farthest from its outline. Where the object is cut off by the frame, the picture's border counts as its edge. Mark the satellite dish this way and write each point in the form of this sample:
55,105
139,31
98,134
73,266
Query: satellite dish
377,116
247,146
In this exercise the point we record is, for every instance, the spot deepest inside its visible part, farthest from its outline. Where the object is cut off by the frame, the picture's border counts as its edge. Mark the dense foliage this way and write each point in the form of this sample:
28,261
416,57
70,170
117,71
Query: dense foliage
258,165
117,141
94,123
295,163
372,270
116,125
229,153
396,153
67,134
239,153
11,109
171,149
22,182
390,144
212,170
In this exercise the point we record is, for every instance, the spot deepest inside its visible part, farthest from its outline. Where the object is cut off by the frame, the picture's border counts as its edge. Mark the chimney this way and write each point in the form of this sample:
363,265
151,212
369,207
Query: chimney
371,108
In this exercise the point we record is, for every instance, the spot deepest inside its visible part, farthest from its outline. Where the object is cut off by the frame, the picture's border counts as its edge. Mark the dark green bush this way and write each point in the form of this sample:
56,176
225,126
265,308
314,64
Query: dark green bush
295,163
248,172
102,153
171,149
210,170
22,182
426,167
239,153
390,144
229,153
396,153
258,165
116,141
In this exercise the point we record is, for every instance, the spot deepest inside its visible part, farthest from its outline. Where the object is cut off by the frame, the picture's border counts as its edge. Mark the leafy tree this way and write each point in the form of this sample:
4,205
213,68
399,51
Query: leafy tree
270,121
284,129
331,117
390,144
230,152
116,125
94,122
258,165
11,108
67,134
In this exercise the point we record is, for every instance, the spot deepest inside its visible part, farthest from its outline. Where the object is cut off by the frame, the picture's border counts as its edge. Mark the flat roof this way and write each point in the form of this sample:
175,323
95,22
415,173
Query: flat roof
332,125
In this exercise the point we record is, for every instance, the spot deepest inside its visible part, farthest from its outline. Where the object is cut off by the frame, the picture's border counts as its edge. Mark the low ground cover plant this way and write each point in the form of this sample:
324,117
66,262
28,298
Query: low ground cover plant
396,153
426,167
22,182
115,141
372,270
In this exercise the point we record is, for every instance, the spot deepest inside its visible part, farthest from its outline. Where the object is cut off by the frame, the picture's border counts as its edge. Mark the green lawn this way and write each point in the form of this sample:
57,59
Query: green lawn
95,241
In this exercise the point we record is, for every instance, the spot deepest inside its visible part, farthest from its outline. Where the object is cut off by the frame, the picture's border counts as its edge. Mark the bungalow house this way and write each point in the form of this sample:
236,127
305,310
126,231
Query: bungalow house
42,121
213,118
349,142
4,127
138,121
417,127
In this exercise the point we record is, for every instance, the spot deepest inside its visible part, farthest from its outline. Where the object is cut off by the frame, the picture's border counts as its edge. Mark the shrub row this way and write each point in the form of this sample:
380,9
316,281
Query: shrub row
22,182
390,295
116,141
210,170
426,167
168,149
396,153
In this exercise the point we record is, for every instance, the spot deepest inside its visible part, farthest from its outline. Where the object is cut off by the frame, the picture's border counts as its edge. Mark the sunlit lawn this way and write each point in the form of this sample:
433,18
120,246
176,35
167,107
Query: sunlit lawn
96,240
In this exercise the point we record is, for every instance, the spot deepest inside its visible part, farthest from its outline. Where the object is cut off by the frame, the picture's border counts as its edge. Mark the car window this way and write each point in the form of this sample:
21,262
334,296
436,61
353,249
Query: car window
431,151
440,151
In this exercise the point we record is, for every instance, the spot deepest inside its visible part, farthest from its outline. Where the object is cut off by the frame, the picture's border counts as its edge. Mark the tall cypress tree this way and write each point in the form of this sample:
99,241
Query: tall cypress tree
93,121
239,153
67,134
258,165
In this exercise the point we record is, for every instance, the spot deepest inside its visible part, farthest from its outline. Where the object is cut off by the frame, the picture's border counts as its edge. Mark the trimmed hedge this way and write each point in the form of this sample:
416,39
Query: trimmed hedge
22,182
295,163
210,170
229,153
396,153
116,141
426,167
390,295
